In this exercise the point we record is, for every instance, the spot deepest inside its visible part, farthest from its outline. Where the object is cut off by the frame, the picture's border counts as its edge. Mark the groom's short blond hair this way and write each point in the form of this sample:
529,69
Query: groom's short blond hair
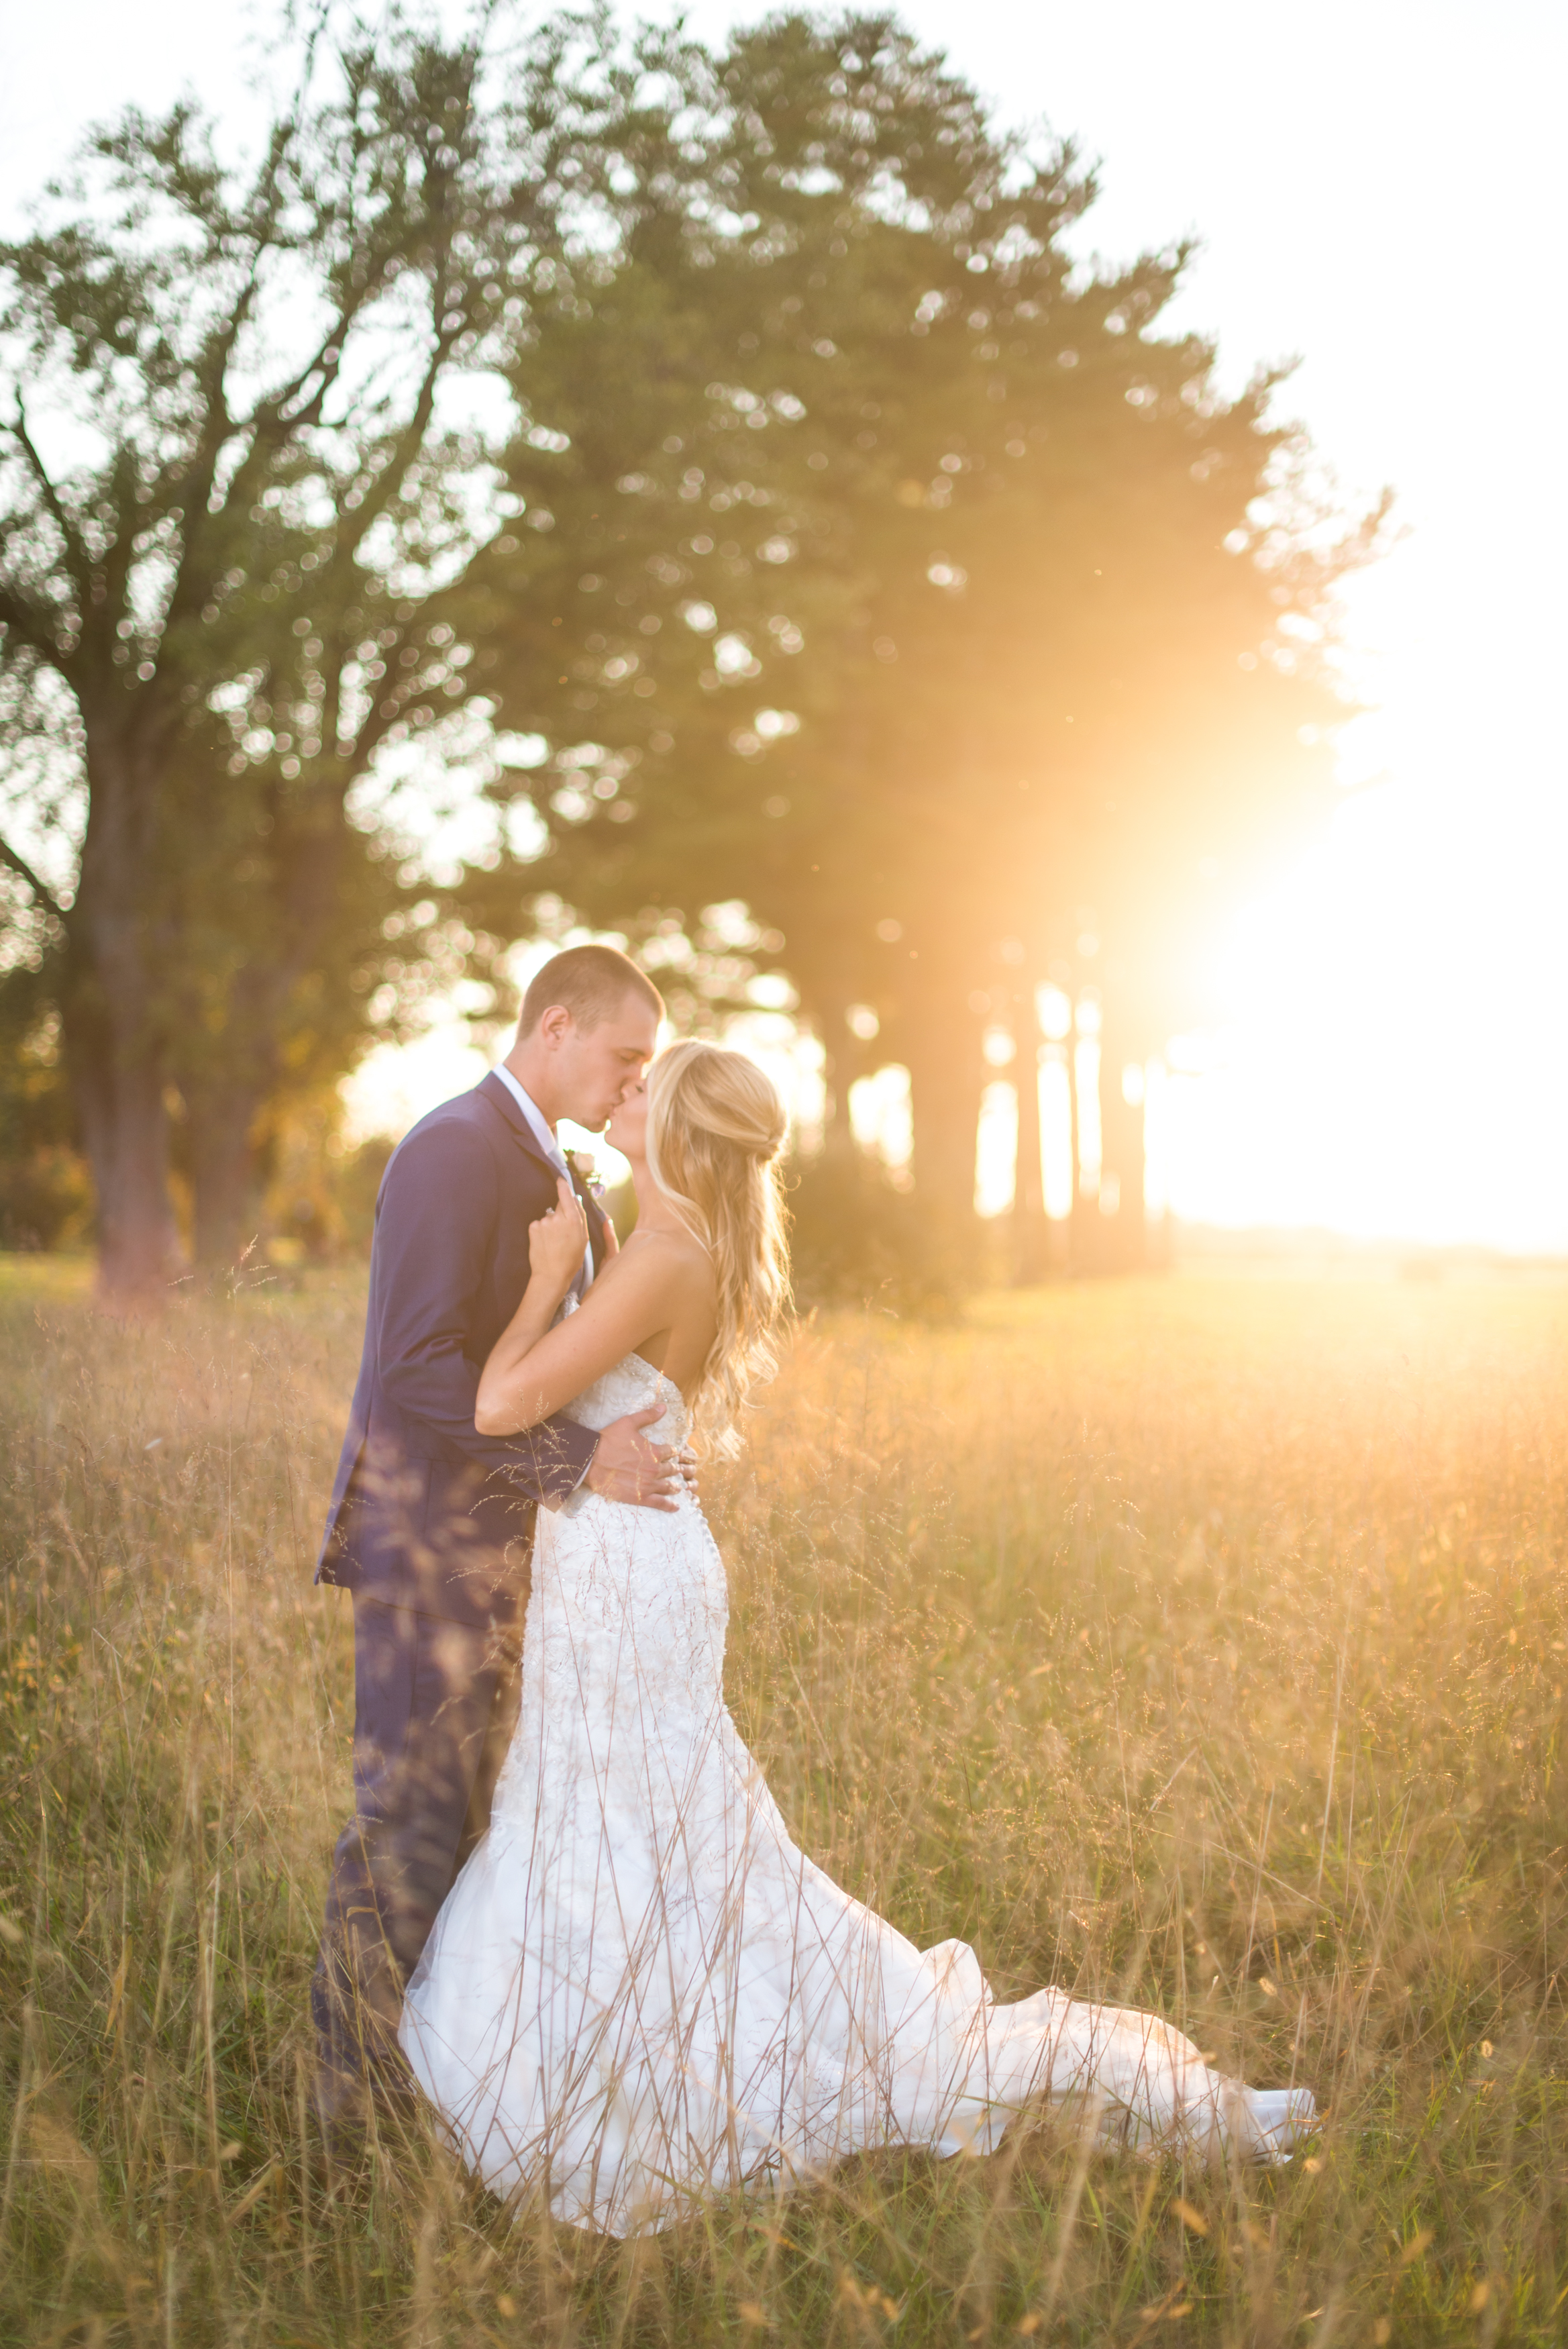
591,982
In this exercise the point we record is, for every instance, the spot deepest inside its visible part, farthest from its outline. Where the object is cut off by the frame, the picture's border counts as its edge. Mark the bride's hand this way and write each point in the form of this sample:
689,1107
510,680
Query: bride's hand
556,1242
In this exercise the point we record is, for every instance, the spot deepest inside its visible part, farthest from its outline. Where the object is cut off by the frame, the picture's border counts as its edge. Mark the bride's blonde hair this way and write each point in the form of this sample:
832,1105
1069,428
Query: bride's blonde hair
715,1127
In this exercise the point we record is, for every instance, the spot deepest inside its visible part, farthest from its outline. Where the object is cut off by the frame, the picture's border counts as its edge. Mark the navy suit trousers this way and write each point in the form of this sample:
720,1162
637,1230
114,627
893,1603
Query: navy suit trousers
434,1704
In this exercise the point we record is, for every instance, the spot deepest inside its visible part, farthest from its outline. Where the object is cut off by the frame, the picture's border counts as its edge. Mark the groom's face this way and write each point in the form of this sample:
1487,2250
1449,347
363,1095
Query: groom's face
594,1066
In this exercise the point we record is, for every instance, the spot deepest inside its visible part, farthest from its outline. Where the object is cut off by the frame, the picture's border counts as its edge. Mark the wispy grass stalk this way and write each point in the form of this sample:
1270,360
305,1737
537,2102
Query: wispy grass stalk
1199,1644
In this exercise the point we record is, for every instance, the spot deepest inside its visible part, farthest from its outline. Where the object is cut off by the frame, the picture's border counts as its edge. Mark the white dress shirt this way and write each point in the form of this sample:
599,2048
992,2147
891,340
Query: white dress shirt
544,1134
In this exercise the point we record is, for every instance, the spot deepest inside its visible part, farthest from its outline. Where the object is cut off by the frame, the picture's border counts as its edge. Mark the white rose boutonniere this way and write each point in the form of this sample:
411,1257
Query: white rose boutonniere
581,1165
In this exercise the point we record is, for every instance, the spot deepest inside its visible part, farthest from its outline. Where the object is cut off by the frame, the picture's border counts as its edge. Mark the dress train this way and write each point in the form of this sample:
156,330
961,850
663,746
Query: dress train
640,1991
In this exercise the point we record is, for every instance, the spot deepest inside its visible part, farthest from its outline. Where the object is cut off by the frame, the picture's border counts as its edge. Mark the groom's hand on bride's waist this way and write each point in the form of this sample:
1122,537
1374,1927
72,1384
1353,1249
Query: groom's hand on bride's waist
626,1467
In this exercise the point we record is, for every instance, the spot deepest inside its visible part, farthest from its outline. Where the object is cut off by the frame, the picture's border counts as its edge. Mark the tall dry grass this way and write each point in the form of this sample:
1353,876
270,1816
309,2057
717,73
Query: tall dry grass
1201,1644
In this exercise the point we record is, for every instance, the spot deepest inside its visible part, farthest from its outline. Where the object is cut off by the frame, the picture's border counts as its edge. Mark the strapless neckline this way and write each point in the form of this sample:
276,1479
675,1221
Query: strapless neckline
632,1384
663,1376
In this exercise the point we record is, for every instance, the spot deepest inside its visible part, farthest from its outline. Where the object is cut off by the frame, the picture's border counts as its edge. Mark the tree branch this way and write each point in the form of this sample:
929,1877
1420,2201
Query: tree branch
405,447
20,866
270,428
31,626
77,561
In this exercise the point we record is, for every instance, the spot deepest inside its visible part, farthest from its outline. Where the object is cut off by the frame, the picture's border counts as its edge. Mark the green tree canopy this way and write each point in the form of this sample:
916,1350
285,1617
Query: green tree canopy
713,463
905,580
240,482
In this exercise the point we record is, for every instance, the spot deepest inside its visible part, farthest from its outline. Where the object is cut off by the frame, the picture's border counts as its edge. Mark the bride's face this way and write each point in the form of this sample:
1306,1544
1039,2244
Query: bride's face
628,1127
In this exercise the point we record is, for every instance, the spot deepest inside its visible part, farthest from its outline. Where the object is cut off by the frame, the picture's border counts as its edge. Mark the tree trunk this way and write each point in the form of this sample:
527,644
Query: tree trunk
1031,1238
229,1070
125,1135
1122,1237
224,1172
839,1073
1083,1213
940,1047
112,1035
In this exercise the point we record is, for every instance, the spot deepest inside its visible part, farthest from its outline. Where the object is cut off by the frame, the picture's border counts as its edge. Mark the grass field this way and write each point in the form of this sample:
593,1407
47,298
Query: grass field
1197,1642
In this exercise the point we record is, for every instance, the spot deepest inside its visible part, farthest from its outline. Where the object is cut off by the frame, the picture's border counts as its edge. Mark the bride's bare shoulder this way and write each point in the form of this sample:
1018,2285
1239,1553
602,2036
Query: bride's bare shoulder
670,1256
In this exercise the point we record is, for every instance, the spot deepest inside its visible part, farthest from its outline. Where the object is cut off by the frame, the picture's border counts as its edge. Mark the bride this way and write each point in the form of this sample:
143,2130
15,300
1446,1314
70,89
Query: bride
639,1990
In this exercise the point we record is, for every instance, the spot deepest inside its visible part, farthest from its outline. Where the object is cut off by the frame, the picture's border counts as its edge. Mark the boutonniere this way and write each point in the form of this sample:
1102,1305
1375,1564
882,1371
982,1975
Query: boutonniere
581,1165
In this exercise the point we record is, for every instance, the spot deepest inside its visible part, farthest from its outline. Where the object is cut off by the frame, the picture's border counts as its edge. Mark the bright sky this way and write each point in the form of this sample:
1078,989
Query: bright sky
1376,188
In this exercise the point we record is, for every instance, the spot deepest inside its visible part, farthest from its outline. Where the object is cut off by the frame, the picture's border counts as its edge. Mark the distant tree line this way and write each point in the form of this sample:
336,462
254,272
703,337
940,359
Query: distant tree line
701,480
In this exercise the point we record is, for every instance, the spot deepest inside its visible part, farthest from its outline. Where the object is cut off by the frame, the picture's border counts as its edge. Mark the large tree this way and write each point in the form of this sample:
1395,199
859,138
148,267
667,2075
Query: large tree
905,583
240,483
852,555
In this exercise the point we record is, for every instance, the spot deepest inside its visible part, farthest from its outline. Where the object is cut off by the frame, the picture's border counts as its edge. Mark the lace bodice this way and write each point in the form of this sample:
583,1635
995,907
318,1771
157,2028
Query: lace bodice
621,1596
632,1385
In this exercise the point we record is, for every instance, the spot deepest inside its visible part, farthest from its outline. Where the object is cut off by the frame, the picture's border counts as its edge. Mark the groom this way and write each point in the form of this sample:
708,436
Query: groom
431,1524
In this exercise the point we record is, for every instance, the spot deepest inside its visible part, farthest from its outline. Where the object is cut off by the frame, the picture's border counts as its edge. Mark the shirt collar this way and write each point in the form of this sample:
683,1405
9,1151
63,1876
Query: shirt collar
536,1118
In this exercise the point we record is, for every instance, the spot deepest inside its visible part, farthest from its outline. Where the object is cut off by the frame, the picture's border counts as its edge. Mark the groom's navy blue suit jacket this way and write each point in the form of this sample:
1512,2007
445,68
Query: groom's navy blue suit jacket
424,1508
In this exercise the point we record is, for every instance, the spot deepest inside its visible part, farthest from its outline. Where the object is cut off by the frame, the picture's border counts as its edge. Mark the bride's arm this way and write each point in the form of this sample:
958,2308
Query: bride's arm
555,1245
535,1368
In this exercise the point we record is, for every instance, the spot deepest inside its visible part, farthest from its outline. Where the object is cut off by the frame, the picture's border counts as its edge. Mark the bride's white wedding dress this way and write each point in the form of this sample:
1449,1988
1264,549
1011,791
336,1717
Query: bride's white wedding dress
639,1990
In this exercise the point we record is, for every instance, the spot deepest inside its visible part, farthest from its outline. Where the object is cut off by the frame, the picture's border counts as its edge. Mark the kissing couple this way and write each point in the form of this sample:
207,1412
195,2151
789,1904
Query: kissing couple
567,1912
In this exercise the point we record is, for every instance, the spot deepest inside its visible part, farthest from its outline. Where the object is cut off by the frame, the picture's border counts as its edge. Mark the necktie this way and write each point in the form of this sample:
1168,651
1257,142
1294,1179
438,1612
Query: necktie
584,1272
